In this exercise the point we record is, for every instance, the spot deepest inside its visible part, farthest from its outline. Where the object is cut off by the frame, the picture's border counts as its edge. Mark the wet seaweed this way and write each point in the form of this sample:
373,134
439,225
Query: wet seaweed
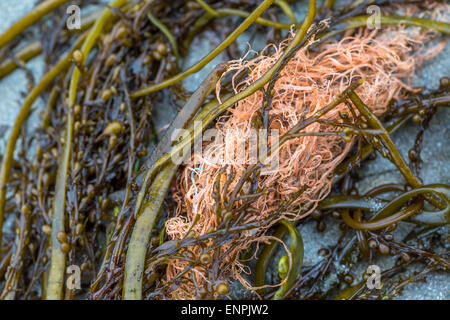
93,193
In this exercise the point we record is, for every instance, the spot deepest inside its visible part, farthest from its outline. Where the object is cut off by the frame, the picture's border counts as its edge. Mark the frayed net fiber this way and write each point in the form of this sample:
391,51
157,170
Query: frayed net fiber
309,81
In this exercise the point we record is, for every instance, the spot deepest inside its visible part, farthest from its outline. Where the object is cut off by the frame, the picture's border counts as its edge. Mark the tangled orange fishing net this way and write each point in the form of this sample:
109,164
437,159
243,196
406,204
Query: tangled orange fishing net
308,82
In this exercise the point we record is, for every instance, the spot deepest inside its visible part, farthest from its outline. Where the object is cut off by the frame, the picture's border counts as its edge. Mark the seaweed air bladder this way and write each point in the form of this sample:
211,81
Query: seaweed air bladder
386,59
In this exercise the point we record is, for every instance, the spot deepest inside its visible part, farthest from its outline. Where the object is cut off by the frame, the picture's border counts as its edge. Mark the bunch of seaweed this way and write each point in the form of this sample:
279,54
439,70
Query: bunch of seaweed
88,189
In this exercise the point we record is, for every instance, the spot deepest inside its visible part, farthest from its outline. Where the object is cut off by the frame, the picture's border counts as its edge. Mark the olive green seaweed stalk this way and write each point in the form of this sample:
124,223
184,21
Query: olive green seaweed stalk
58,257
24,112
285,270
